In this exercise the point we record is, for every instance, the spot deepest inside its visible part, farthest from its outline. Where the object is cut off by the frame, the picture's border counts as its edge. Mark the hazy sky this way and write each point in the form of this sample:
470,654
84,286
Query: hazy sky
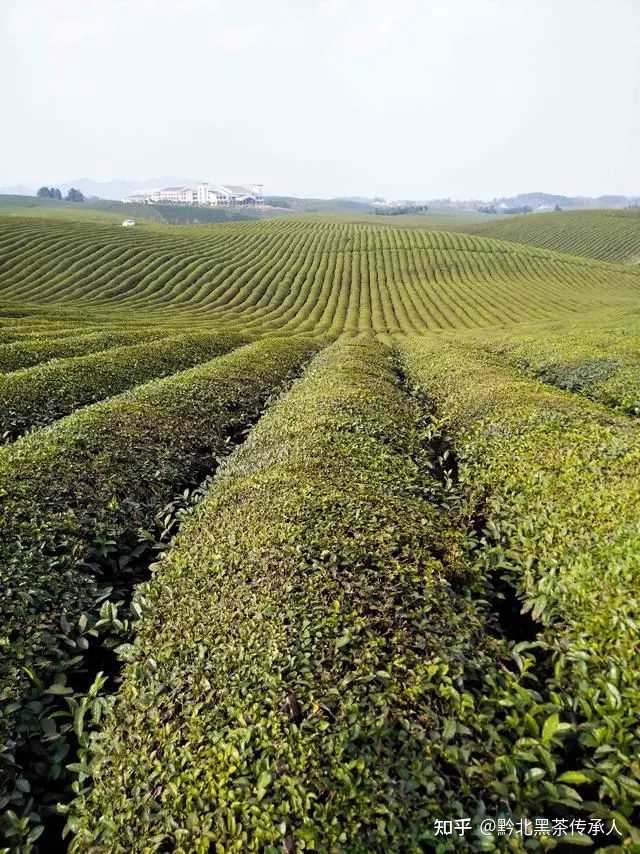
399,98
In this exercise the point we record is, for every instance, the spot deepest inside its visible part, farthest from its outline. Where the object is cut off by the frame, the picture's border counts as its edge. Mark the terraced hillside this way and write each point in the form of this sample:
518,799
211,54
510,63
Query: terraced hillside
609,235
298,276
315,536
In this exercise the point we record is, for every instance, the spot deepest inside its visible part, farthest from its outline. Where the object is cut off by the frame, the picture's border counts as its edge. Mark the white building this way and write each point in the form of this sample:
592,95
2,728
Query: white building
137,199
173,195
251,195
212,196
230,195
205,196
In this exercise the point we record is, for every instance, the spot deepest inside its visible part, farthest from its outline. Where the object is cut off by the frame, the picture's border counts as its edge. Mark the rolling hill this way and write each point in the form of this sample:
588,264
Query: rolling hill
298,276
608,235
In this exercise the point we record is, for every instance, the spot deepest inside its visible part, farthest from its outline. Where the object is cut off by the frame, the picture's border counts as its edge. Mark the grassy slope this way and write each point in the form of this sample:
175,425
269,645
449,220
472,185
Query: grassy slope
609,235
89,211
299,275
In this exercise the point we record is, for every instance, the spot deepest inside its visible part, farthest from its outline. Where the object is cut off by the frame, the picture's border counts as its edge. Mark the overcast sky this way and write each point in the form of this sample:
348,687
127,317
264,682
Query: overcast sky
398,98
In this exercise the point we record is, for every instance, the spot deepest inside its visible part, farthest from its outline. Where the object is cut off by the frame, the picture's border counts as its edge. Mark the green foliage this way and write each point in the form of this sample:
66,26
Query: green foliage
25,353
37,396
598,360
399,210
49,193
327,658
558,483
310,662
92,482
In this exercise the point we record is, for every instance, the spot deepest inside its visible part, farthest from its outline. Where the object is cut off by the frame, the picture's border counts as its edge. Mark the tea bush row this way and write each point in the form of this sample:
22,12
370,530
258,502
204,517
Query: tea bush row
26,354
299,275
557,481
310,668
37,396
600,362
90,482
609,235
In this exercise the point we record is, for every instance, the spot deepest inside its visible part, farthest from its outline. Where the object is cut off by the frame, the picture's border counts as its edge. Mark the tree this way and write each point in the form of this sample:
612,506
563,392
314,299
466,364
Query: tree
51,193
75,195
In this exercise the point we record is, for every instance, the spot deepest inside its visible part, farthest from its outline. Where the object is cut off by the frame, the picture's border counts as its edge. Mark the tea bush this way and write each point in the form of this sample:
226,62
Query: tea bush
25,354
557,480
37,396
90,482
311,665
599,362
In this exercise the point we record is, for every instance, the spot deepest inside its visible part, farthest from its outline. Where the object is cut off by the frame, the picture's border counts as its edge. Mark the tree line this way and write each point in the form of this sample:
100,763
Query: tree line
73,194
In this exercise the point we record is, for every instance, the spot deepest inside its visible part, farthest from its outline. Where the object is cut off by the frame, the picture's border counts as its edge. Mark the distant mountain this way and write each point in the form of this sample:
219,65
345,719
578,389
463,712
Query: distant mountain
18,190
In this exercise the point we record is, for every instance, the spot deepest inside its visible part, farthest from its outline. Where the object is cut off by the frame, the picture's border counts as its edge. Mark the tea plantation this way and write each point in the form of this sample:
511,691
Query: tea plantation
610,235
319,535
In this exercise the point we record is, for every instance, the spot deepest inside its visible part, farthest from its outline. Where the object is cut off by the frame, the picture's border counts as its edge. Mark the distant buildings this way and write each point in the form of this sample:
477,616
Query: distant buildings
230,195
204,194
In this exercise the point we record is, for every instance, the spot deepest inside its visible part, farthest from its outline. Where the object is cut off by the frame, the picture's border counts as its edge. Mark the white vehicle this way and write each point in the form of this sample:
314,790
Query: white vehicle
128,223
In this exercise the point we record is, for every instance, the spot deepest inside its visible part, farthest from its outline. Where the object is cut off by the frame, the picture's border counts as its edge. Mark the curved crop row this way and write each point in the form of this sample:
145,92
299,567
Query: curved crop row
608,235
37,396
10,335
92,479
52,331
599,362
26,354
300,275
558,480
